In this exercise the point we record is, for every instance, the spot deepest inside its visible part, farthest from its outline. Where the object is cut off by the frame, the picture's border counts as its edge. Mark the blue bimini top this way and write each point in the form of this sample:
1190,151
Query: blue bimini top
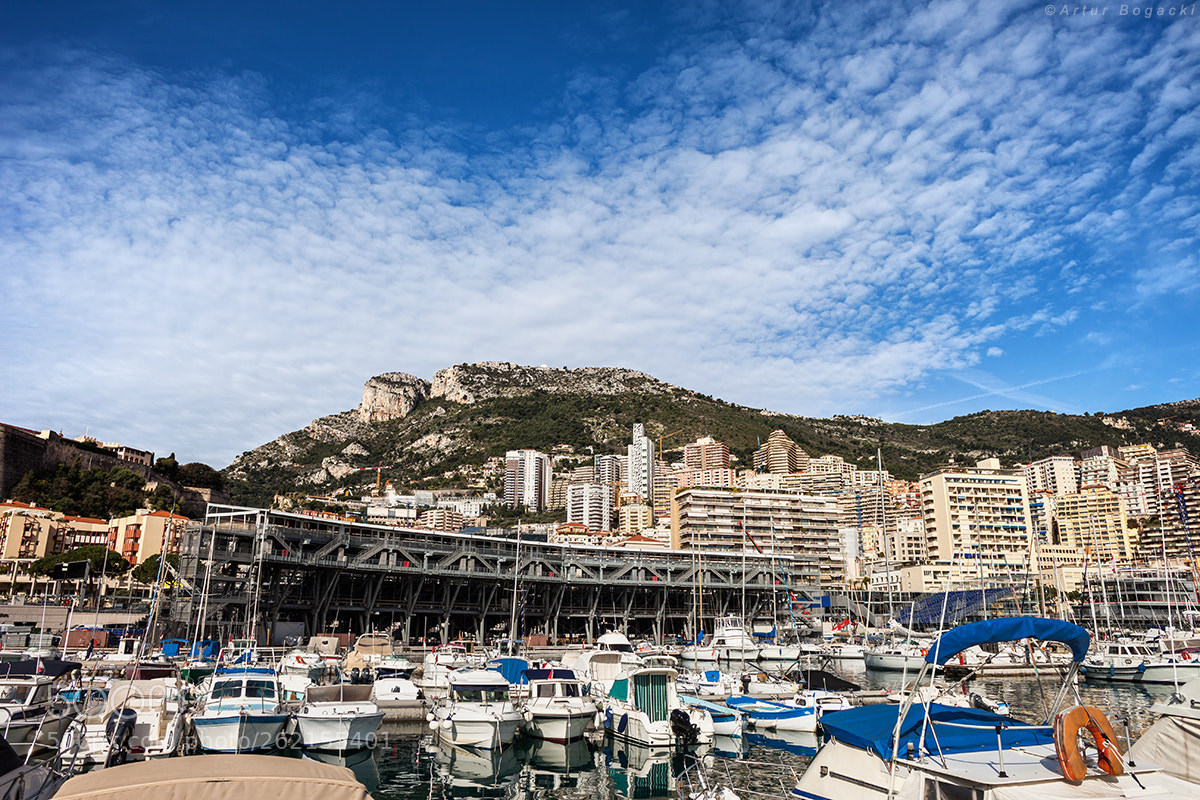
1008,629
871,727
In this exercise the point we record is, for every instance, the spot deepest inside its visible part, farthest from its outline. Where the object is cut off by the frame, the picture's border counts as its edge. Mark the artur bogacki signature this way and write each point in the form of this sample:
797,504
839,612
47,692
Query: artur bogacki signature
1141,12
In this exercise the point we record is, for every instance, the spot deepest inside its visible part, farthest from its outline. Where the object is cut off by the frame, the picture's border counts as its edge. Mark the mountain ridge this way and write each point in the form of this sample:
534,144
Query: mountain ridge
434,433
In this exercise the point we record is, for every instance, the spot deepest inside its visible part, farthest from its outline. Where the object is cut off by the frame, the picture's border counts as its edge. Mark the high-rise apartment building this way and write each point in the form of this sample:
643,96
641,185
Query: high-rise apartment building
610,470
527,479
591,504
977,512
780,455
1056,475
801,526
1093,519
641,464
706,453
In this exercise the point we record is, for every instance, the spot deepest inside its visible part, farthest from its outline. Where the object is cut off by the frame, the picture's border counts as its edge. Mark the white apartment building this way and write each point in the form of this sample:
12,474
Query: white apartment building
591,504
979,512
527,479
640,478
1100,466
801,526
1056,475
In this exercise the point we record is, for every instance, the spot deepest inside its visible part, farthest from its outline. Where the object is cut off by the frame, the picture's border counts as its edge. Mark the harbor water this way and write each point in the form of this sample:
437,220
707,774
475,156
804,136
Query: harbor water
408,764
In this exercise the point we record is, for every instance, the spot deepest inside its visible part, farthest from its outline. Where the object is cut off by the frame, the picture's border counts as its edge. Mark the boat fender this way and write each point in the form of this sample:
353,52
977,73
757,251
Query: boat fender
608,718
1142,667
446,724
527,715
430,717
1067,724
1112,670
433,724
621,723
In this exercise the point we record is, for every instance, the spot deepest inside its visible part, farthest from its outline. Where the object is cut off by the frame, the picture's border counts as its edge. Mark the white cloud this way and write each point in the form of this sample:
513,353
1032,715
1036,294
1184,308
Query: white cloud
808,223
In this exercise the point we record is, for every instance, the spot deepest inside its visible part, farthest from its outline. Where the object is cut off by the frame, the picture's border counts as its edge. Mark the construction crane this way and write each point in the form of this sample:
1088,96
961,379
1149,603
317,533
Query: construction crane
665,436
378,472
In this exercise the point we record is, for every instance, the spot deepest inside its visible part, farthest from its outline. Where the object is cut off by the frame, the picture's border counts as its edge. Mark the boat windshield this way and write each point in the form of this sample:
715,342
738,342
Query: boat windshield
482,694
11,694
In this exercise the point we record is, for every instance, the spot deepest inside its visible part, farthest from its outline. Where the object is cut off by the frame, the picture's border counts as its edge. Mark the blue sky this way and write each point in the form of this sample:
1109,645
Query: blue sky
218,220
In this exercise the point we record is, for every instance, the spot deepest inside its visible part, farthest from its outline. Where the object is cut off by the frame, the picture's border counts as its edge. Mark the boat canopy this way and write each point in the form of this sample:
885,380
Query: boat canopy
871,728
217,777
52,667
1008,629
513,669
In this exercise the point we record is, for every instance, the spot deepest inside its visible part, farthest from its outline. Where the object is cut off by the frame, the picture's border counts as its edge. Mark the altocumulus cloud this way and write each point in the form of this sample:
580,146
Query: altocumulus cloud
809,210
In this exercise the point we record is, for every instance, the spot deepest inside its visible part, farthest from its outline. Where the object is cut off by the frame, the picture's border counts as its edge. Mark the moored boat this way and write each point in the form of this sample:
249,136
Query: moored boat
938,751
338,717
477,712
558,708
240,713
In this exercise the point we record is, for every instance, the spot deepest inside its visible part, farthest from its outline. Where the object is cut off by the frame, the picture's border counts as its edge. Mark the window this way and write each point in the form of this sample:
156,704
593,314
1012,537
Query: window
941,790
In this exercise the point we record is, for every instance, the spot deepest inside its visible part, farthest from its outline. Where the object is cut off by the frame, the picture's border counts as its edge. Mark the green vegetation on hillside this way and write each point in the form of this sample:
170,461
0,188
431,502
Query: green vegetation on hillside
96,493
440,443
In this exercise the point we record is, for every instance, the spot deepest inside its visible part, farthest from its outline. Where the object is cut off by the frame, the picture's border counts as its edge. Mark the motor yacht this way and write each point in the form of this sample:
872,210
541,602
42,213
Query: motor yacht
477,712
240,712
338,718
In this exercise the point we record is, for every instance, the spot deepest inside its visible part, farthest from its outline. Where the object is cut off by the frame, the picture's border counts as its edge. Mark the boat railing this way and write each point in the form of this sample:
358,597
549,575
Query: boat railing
999,728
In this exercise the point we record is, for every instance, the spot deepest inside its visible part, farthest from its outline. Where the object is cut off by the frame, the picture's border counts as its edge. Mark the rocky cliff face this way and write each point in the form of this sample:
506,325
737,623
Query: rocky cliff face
471,383
392,395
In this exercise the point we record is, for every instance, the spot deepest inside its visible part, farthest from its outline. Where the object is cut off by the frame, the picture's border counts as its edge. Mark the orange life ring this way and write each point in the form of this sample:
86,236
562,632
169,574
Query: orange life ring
300,660
924,652
1185,655
1067,724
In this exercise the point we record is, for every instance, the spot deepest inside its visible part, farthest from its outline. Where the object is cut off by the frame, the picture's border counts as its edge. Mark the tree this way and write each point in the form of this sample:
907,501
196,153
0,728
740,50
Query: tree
200,476
147,571
102,560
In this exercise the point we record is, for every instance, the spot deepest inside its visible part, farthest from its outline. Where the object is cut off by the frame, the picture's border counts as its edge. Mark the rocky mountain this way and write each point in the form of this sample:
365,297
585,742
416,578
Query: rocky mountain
437,433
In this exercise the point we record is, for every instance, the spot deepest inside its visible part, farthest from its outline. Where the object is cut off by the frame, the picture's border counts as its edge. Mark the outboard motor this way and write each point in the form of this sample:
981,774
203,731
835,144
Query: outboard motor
681,726
118,730
355,675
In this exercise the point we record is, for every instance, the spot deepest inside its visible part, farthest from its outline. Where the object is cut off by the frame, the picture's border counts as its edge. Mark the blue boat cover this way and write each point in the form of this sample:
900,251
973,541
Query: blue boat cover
1008,629
870,727
513,669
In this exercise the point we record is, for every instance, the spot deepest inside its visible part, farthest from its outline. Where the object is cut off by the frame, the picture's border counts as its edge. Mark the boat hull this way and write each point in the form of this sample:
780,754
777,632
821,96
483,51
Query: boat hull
240,733
338,733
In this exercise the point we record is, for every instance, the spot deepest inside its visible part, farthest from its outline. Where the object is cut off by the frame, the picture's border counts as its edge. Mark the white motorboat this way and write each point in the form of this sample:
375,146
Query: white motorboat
1135,662
643,708
727,721
711,684
938,751
907,656
399,698
477,712
140,719
240,713
772,715
558,708
730,643
339,717
33,718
